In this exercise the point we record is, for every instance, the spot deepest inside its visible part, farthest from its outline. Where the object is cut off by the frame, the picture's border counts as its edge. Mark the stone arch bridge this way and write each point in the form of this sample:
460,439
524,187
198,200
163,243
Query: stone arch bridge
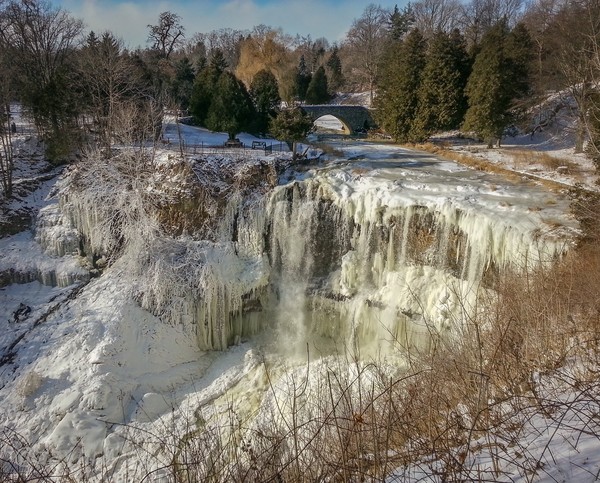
354,118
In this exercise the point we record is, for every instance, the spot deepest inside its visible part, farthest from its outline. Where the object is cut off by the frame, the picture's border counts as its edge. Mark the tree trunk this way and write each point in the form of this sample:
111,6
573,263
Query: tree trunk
580,136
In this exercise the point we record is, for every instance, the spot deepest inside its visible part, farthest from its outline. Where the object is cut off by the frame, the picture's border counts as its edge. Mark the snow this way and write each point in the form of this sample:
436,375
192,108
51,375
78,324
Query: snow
205,141
92,371
544,151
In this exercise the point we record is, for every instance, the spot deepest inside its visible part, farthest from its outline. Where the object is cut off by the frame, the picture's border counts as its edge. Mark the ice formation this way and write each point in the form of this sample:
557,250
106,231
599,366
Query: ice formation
49,256
388,250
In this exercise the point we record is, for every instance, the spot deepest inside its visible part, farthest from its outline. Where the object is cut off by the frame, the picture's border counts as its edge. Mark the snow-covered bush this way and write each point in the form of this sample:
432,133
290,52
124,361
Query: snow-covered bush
131,209
107,200
202,285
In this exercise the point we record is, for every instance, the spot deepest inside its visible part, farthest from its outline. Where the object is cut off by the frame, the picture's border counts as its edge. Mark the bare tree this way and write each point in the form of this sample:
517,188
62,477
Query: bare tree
43,37
109,79
366,41
539,18
229,42
168,35
313,50
577,27
431,16
195,49
479,16
40,42
6,145
6,153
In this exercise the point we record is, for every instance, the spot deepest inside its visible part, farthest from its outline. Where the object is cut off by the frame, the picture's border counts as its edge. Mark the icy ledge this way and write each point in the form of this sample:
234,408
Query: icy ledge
49,256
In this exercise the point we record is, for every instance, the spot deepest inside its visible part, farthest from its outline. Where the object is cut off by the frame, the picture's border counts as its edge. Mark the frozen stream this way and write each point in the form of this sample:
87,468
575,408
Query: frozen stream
369,254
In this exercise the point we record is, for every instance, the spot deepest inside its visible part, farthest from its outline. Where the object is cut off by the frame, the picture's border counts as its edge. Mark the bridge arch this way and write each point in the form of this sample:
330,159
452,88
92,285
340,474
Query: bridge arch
332,123
354,118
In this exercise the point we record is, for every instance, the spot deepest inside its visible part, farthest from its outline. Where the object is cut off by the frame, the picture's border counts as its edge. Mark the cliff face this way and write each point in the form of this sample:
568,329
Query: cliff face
198,192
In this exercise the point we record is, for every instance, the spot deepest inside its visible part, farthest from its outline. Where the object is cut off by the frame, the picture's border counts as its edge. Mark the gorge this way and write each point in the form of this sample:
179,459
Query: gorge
222,277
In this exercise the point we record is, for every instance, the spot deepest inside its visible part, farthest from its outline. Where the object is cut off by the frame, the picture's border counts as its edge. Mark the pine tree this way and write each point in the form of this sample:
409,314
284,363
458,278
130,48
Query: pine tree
292,126
499,77
334,66
303,78
486,88
201,97
442,102
183,83
400,22
519,54
217,63
231,109
318,91
264,92
397,100
204,85
92,41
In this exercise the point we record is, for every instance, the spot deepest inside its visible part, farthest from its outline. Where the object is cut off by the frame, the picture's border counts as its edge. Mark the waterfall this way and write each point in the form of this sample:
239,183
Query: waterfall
372,268
357,270
369,263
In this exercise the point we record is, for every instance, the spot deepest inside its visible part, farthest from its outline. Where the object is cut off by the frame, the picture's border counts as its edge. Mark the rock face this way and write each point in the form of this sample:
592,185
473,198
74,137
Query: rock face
197,194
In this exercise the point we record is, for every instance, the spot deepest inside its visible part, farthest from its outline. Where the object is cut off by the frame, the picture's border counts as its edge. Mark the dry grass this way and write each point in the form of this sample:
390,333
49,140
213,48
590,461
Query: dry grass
483,164
525,158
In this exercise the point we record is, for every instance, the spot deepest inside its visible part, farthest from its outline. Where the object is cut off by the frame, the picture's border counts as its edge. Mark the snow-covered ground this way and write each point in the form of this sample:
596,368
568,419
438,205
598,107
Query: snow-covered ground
545,151
88,376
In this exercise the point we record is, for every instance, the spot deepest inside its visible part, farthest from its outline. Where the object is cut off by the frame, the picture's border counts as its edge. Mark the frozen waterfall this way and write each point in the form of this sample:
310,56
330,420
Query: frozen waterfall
386,248
367,258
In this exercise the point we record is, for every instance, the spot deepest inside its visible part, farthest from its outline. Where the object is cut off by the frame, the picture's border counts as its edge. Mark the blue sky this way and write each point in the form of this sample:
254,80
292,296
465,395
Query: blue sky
129,19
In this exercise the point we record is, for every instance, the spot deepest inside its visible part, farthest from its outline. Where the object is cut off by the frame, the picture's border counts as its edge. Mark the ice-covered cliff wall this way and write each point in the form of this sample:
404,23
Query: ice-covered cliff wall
371,256
371,264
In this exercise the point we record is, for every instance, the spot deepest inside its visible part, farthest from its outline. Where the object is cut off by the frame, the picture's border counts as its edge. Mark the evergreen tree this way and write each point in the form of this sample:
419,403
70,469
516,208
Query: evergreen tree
201,63
183,83
218,63
292,126
397,101
519,55
498,79
303,78
400,22
318,91
92,41
231,109
442,102
334,66
486,88
204,85
264,92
